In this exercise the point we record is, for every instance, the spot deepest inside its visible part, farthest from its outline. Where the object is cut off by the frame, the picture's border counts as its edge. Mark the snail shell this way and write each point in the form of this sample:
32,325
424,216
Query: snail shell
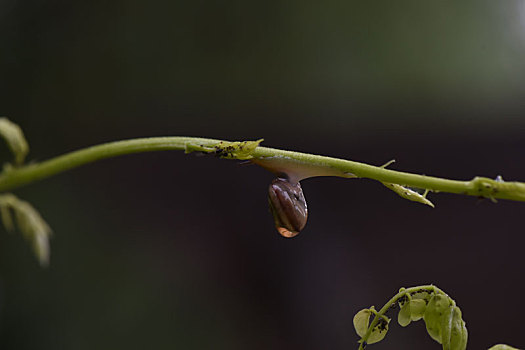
288,206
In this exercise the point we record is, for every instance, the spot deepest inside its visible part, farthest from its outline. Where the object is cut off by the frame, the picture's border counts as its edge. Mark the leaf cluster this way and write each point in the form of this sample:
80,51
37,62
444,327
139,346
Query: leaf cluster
442,318
16,212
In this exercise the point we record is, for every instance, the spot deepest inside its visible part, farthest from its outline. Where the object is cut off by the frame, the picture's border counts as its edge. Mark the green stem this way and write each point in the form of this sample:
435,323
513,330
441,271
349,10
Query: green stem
24,175
392,301
280,161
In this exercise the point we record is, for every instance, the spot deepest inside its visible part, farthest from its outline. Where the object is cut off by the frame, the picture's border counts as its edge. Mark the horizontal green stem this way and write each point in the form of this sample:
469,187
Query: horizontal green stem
306,165
20,176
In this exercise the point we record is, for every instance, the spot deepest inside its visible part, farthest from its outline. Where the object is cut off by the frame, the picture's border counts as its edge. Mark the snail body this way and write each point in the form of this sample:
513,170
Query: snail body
288,206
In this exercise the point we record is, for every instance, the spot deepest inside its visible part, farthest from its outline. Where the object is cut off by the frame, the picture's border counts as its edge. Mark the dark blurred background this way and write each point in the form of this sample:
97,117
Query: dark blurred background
170,251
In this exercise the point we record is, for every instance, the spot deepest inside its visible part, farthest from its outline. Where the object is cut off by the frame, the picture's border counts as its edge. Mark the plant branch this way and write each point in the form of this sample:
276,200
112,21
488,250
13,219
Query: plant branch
388,305
296,165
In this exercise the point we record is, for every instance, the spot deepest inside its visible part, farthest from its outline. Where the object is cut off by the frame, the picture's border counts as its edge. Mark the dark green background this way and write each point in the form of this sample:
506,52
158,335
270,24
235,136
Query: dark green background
170,251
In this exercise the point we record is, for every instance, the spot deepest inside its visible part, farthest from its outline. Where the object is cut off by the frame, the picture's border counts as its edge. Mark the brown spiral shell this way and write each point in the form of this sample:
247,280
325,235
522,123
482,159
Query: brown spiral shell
288,206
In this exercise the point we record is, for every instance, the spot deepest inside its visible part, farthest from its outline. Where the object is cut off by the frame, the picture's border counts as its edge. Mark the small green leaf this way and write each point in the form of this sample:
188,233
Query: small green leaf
437,307
403,317
379,331
417,309
361,322
35,229
32,226
458,334
409,194
503,347
15,139
446,327
412,310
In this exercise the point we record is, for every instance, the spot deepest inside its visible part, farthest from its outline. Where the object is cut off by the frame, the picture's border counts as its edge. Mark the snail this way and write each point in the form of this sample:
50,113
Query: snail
286,198
288,206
